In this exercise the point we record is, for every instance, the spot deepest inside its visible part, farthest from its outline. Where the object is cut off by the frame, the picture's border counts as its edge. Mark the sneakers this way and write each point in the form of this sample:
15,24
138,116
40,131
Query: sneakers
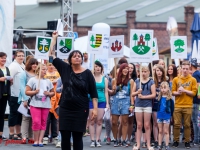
58,145
195,145
167,148
144,145
98,143
45,141
159,147
155,144
55,140
119,142
124,144
128,142
187,145
116,144
108,140
92,144
175,144
3,138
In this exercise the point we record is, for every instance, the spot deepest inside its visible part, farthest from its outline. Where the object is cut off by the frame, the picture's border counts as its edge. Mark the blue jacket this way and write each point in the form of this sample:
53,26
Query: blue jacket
22,86
169,106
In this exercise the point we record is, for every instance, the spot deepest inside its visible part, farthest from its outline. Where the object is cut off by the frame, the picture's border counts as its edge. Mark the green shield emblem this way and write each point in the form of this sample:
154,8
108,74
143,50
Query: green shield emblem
66,45
43,45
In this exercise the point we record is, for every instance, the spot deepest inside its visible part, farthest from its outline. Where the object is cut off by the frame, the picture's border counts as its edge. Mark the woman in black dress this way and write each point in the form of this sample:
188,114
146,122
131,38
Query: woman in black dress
74,102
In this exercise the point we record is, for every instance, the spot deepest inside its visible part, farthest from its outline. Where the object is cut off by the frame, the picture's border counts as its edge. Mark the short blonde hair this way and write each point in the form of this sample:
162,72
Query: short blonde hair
145,67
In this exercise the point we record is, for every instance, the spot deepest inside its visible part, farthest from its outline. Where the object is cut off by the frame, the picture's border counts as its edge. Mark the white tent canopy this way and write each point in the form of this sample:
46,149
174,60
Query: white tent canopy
81,44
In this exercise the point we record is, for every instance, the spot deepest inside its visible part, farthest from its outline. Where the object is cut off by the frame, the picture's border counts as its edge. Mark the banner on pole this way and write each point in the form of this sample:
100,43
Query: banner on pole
155,55
116,46
141,43
178,47
42,47
95,42
65,45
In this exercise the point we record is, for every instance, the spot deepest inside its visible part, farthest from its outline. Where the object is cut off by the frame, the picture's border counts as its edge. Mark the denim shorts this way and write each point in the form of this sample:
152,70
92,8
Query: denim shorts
100,105
166,121
120,106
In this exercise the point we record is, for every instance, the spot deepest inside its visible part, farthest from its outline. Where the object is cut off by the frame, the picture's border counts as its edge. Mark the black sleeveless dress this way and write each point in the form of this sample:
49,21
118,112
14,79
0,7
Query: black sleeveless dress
74,101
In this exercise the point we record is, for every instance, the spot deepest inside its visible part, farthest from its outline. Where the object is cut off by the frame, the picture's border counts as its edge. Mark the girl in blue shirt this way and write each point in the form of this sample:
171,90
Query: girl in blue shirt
164,112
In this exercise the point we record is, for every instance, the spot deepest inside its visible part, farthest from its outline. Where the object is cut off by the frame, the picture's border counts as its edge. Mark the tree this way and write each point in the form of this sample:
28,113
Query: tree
62,43
147,38
154,44
135,38
43,43
179,43
92,39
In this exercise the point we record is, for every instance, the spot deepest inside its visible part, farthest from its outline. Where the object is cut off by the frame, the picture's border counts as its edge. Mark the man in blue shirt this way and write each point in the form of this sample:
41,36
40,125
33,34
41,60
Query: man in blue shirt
196,102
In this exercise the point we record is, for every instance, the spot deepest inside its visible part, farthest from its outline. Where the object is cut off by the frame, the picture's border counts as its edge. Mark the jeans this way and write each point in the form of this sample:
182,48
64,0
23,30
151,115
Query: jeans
195,124
185,114
120,106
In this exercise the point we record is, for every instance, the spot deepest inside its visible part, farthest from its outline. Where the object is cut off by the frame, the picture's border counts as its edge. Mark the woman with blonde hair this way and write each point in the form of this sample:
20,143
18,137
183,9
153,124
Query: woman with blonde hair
144,92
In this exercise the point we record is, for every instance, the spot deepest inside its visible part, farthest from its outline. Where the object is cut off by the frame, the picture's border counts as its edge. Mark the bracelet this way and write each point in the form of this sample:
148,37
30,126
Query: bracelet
131,106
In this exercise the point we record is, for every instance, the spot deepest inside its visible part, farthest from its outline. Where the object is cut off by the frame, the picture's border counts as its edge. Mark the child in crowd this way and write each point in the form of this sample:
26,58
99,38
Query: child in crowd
40,90
164,113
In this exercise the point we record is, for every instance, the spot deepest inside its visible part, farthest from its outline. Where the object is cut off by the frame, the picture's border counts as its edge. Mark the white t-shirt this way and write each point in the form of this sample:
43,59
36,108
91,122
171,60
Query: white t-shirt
40,100
15,70
86,65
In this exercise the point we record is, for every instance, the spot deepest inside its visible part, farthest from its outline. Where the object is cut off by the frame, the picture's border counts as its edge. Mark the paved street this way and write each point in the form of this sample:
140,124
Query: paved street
52,147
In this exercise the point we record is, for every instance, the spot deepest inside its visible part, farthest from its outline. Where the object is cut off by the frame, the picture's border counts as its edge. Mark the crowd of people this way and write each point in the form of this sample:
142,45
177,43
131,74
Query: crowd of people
66,100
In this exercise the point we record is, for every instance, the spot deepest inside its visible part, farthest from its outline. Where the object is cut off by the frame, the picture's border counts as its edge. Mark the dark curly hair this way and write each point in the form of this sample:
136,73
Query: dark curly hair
72,54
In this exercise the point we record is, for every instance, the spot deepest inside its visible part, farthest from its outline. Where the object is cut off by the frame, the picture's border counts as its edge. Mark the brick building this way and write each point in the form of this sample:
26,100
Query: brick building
147,15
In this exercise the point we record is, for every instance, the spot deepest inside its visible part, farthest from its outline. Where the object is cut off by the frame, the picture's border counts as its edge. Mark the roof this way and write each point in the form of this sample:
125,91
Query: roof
112,12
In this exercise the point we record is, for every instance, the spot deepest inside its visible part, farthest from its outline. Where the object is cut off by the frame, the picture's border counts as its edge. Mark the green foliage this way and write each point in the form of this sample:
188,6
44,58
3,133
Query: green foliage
62,43
147,37
135,38
179,43
92,39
